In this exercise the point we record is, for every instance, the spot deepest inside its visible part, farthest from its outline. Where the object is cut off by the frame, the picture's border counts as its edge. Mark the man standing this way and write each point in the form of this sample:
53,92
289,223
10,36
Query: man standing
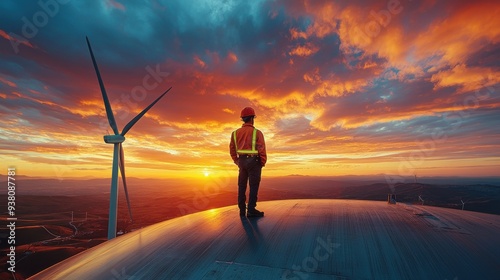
248,151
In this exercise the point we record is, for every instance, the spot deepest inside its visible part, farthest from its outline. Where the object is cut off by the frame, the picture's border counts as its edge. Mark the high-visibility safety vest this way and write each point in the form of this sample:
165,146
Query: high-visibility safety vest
253,151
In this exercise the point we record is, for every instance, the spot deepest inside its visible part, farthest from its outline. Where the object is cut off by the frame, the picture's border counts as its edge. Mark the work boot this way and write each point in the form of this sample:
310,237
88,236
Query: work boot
255,213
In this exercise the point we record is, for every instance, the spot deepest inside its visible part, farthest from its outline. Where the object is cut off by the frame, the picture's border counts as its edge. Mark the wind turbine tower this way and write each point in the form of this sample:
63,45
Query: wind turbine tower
421,199
118,158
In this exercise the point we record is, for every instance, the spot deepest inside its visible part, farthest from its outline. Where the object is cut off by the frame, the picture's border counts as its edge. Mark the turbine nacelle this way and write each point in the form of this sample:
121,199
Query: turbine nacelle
114,139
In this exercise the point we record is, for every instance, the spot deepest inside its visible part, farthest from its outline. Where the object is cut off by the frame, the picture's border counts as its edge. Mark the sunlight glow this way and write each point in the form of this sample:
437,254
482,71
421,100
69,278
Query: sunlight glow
206,173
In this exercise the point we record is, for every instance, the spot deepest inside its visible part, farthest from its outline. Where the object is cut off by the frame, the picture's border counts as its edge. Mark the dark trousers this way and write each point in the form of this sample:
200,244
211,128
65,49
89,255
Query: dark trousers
250,171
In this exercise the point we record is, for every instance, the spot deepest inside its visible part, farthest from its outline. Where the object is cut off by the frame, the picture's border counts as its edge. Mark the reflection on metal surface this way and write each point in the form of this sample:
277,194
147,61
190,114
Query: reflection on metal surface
298,239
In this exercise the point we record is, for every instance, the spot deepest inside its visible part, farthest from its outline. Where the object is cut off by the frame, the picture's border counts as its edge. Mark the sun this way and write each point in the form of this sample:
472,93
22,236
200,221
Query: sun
206,173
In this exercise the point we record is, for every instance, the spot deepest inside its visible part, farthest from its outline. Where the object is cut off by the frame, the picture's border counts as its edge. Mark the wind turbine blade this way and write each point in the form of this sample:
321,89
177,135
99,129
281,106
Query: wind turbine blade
122,171
109,112
134,120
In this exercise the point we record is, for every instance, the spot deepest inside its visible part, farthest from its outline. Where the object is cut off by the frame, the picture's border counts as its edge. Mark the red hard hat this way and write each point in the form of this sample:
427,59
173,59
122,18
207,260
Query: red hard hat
247,111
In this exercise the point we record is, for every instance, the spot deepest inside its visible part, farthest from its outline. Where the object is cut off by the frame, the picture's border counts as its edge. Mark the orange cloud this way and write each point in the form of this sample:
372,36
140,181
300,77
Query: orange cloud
325,16
227,110
7,82
296,34
337,87
199,62
305,50
232,57
18,39
468,78
453,38
312,77
356,33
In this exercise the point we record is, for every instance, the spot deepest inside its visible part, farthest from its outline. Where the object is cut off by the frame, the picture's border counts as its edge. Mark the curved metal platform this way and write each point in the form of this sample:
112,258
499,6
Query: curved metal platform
301,239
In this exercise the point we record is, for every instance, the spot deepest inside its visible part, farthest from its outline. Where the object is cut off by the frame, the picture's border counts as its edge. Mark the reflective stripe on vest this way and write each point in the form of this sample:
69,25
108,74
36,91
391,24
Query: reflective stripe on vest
254,140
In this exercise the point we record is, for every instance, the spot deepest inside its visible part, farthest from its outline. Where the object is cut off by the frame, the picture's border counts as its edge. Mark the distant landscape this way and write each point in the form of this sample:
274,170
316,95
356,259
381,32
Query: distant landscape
60,218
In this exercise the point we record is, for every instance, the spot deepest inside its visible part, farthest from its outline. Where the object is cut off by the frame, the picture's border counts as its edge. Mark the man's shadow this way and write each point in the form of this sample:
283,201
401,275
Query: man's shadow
251,227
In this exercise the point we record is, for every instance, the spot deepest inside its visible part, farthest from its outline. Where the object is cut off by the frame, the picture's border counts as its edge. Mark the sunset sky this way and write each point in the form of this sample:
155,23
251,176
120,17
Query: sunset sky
340,87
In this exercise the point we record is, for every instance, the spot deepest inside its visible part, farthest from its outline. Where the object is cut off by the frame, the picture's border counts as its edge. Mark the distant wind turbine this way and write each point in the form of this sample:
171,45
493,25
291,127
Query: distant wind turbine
118,158
463,204
420,199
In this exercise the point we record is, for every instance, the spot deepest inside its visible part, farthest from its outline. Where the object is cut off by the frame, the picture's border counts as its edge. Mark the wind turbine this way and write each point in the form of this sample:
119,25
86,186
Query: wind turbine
421,199
118,158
